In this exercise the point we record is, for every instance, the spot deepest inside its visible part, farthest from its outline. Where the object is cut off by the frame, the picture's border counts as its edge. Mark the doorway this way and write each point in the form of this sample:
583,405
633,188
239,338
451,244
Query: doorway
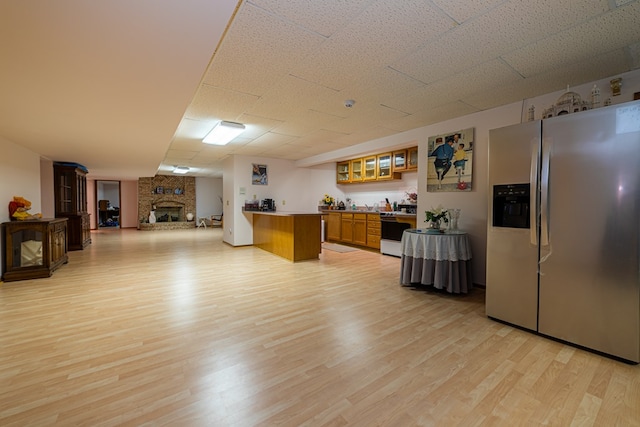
108,204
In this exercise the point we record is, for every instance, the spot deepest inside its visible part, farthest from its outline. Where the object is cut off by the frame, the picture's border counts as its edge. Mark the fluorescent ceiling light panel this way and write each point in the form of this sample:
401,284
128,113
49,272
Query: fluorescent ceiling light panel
181,169
223,133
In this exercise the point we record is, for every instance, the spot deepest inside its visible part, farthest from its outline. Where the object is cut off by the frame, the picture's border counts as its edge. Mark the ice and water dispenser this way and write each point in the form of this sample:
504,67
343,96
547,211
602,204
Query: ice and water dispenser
511,205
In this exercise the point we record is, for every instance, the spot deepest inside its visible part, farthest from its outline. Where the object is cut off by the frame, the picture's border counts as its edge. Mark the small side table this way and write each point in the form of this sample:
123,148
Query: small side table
441,260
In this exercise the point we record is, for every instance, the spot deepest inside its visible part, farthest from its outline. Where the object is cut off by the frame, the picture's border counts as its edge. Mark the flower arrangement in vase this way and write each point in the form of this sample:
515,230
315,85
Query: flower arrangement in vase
328,200
435,216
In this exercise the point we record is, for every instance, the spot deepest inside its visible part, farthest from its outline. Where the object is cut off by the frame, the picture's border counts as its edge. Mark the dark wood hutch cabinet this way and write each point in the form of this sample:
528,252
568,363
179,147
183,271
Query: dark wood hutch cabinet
33,249
70,181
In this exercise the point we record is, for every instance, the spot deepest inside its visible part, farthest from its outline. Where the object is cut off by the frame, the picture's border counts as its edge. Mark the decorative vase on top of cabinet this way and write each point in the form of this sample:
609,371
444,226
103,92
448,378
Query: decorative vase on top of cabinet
70,186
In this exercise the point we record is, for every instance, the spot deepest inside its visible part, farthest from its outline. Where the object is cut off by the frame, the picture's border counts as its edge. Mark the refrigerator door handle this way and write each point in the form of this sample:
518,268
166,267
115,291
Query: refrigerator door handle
544,192
533,184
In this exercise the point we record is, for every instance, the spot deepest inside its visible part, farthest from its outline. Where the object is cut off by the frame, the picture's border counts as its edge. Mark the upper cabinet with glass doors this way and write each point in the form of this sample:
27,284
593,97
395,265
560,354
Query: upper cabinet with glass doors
399,160
370,164
356,170
380,167
342,172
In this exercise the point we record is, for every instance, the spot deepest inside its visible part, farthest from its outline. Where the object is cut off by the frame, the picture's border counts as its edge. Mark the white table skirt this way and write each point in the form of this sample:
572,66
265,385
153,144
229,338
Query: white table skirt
441,260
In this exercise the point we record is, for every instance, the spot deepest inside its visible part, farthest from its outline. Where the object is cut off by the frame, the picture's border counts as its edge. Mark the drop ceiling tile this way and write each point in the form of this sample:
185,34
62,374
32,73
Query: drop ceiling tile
221,103
364,136
491,75
270,140
192,129
376,85
634,54
186,144
463,10
304,123
259,43
374,39
604,33
291,96
501,30
594,68
325,18
181,154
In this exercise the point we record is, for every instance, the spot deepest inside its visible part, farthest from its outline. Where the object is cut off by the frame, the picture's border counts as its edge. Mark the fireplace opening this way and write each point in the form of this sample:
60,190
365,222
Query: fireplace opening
169,214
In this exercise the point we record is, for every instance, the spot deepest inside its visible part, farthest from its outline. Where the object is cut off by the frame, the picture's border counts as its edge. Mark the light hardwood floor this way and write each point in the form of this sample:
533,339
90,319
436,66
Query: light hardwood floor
177,328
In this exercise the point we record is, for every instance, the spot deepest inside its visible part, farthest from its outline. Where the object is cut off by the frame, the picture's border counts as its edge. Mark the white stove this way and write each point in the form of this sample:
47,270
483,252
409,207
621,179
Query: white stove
391,230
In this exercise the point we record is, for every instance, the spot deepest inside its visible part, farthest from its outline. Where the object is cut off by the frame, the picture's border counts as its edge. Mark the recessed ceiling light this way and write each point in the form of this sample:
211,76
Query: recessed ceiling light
181,169
223,133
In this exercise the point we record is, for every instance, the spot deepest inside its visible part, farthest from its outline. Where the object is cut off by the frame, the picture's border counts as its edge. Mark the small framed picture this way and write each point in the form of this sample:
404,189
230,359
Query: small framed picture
159,190
259,175
178,191
168,191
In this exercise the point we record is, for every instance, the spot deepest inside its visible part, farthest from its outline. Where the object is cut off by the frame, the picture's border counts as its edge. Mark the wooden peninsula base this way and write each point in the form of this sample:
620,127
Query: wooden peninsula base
294,236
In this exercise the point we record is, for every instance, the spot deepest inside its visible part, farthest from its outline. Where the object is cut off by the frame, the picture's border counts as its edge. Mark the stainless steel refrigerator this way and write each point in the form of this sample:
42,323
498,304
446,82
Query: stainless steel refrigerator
563,238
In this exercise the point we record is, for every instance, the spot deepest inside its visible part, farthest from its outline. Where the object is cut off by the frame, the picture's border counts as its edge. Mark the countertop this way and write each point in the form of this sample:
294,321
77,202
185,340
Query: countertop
285,213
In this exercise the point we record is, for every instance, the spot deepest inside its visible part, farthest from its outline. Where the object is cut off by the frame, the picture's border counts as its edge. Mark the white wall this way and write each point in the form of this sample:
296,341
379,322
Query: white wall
19,176
128,204
208,197
47,196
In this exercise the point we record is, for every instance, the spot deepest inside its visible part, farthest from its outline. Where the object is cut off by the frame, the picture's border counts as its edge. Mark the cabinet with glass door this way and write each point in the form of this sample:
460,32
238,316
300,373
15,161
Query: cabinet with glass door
356,170
370,172
342,172
70,186
384,168
399,160
412,158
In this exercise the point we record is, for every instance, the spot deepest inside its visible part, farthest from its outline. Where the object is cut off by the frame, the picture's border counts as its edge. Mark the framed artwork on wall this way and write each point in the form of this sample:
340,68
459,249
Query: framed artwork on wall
259,175
450,161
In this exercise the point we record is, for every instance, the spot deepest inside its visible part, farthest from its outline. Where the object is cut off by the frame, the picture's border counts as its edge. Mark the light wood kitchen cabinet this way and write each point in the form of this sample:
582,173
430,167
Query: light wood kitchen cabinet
412,158
356,170
354,228
373,230
384,170
333,223
378,167
343,175
370,166
399,160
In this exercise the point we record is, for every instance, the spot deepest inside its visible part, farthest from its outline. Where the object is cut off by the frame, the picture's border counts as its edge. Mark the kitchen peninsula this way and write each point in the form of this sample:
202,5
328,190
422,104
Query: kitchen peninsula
291,235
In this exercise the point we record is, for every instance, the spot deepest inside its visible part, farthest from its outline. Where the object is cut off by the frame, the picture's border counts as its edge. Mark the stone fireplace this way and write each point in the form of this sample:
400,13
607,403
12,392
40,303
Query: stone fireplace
169,213
171,198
